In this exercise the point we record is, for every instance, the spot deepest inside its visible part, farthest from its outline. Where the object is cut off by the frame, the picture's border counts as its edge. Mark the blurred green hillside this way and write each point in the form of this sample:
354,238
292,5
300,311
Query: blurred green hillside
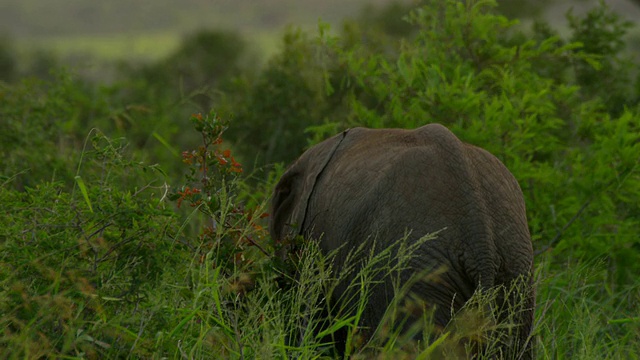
72,17
149,29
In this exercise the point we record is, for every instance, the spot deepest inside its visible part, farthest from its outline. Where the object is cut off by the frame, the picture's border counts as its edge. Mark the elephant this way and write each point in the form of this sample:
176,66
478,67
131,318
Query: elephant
388,184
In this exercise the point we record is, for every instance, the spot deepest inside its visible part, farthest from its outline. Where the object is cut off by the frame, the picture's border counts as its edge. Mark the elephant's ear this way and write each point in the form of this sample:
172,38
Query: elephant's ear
291,195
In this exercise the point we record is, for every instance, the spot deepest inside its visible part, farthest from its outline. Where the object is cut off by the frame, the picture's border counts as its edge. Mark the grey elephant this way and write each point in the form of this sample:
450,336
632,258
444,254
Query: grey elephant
384,184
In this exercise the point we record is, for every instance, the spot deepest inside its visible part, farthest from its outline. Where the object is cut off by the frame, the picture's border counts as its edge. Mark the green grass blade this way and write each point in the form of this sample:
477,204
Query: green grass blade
83,189
182,323
426,354
166,144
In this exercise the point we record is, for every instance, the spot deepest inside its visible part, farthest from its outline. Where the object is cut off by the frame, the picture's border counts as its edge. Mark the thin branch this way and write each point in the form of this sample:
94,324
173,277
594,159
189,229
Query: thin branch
556,239
254,243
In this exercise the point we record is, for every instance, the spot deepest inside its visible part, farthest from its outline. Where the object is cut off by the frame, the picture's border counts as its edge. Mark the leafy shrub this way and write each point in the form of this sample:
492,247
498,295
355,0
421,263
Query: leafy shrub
303,87
46,121
615,77
156,99
72,258
43,123
230,231
271,114
205,63
8,66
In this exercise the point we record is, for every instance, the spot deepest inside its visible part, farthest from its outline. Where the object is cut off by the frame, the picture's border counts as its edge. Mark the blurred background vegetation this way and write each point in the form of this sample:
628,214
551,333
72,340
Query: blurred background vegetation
101,256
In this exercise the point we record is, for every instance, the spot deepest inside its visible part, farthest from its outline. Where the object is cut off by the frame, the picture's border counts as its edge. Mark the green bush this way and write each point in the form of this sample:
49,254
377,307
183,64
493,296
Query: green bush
615,78
205,63
272,112
76,256
8,61
155,100
305,86
44,123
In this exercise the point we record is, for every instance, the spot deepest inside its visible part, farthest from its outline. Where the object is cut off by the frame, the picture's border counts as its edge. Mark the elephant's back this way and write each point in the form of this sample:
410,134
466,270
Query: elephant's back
391,182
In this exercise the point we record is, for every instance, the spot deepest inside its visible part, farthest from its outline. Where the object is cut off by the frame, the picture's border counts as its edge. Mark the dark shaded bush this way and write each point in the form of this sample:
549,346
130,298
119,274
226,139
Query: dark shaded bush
8,66
615,78
306,85
158,98
205,62
44,124
272,112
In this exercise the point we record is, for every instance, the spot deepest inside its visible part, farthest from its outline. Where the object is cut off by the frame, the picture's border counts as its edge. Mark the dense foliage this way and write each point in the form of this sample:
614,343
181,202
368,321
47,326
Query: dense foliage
123,233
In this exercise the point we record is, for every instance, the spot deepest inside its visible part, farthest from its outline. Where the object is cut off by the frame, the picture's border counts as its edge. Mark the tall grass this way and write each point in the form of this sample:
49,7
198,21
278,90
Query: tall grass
583,315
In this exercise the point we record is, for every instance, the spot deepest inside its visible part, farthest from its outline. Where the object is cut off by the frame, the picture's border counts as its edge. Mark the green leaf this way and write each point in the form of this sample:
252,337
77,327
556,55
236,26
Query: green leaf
405,70
83,189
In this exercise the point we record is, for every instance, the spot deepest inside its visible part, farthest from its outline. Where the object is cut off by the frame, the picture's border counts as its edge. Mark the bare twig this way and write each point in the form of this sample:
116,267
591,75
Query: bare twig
254,243
556,239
